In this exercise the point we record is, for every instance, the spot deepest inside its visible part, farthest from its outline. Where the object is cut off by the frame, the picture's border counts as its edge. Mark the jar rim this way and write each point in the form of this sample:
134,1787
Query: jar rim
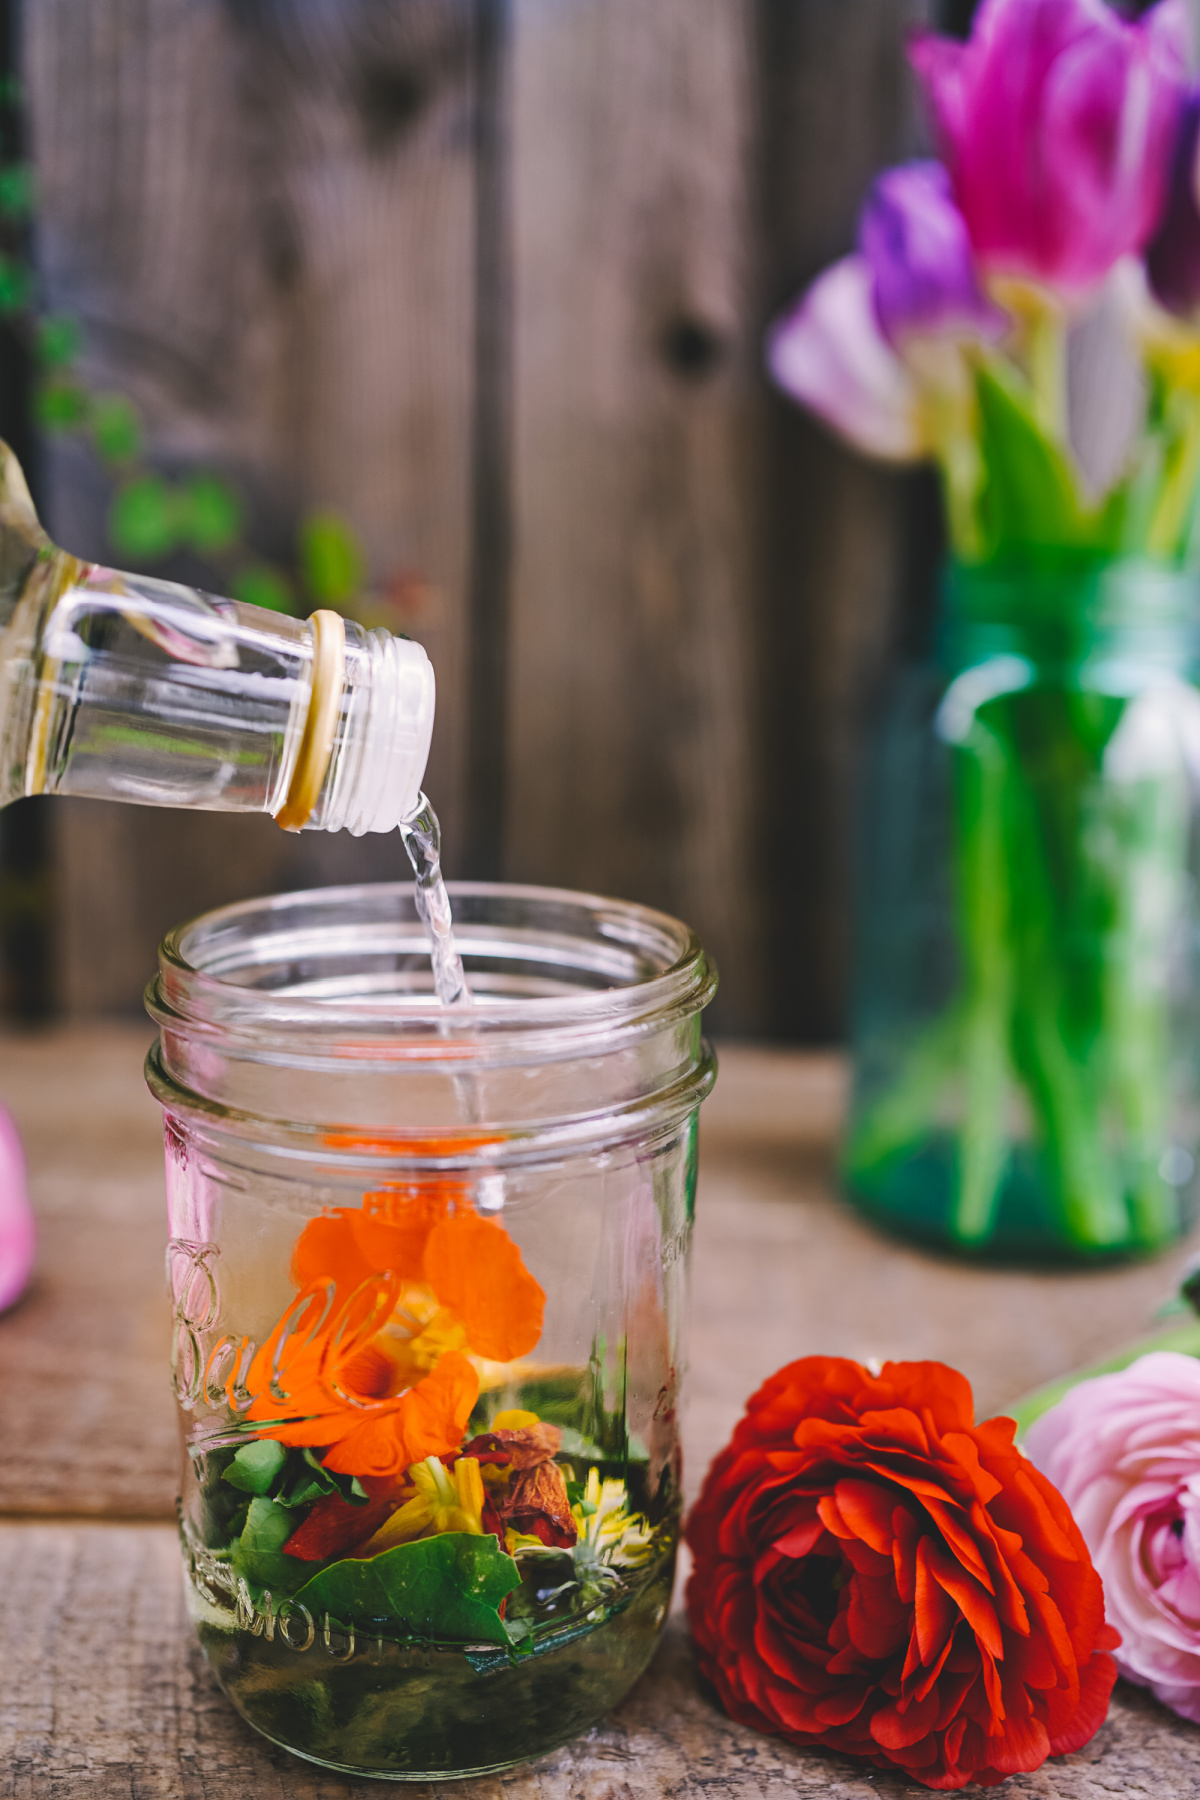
665,968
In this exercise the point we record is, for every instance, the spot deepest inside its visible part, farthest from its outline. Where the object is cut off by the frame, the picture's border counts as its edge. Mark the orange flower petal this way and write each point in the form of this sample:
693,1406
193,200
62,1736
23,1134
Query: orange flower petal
392,1227
400,1144
474,1267
430,1420
326,1251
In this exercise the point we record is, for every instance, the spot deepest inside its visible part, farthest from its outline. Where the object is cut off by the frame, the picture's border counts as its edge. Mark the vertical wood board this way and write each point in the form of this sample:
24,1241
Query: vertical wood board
632,714
263,216
847,543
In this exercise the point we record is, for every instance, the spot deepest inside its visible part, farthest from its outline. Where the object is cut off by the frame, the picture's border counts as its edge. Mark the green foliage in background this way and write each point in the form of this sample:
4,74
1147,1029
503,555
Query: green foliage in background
152,515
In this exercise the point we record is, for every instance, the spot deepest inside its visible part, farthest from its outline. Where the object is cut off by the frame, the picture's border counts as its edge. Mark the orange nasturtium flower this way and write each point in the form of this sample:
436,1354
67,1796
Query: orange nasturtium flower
371,1362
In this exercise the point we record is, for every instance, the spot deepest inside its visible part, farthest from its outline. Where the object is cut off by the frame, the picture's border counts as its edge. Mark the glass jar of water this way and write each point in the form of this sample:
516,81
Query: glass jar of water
427,1268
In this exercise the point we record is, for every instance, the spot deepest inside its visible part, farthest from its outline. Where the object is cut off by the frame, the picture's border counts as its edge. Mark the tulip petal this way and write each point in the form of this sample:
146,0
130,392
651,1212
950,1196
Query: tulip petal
830,354
1058,120
915,239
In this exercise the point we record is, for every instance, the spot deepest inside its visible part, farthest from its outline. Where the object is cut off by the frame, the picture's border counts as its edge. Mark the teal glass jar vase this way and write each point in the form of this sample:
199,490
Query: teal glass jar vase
1026,1019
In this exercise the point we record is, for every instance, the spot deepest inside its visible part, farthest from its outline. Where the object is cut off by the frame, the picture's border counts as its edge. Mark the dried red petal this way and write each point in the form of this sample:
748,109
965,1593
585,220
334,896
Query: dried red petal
537,1505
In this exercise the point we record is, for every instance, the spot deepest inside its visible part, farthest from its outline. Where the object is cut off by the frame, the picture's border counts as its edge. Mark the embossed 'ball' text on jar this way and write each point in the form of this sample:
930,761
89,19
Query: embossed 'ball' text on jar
428,1270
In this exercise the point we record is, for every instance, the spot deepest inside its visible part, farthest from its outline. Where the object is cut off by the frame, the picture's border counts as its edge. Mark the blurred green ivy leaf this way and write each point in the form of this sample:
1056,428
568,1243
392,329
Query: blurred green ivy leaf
58,340
116,428
261,585
16,190
59,404
16,285
331,558
142,520
209,513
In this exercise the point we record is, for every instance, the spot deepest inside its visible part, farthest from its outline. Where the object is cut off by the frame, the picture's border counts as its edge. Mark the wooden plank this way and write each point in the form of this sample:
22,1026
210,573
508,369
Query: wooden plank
264,217
632,712
86,1415
106,1694
781,1269
848,545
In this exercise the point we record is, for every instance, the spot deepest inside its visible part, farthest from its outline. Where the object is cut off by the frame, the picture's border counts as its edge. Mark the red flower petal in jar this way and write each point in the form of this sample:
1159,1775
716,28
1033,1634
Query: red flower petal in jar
877,1574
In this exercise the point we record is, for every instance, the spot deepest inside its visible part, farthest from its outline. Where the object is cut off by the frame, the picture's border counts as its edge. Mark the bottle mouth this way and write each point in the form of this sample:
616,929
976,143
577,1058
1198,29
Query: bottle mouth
381,747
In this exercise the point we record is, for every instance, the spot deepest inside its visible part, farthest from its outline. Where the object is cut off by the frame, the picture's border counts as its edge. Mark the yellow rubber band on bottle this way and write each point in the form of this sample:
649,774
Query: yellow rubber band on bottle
324,704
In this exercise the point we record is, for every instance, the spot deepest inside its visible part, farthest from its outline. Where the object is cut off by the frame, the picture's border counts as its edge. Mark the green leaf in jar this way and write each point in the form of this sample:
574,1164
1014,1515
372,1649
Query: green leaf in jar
258,1554
255,1466
448,1588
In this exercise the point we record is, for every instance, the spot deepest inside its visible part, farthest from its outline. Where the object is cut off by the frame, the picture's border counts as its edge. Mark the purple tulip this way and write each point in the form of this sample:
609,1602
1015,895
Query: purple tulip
1173,259
829,353
1058,120
915,239
16,1220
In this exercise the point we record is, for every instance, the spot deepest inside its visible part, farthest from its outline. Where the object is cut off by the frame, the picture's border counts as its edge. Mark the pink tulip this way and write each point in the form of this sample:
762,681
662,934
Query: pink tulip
1058,120
16,1220
1124,1452
829,353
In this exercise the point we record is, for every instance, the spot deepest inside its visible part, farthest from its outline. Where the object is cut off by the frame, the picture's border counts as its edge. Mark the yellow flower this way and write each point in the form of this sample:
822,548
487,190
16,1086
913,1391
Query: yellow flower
608,1531
445,1500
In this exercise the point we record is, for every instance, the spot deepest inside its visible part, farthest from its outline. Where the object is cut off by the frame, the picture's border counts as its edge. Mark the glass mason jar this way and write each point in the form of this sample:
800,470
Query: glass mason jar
1026,1020
428,1269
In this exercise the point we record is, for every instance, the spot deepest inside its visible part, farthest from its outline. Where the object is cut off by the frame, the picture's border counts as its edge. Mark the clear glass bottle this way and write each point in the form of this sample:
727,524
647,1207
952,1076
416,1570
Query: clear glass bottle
121,687
428,1271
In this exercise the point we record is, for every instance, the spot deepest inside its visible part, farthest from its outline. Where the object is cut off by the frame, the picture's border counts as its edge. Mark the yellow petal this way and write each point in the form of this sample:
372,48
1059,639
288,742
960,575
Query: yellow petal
470,1489
401,1528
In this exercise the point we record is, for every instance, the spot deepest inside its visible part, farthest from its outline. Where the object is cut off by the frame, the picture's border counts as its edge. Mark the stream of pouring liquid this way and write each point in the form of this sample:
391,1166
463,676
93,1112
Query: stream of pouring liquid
423,841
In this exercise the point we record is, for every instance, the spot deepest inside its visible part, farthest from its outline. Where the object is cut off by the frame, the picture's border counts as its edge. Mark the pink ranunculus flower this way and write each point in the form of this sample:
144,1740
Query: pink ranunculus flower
1058,120
1123,1450
16,1219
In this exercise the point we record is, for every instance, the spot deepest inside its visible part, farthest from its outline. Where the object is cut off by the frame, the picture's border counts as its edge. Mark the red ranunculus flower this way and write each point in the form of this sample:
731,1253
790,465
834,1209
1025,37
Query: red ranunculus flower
877,1574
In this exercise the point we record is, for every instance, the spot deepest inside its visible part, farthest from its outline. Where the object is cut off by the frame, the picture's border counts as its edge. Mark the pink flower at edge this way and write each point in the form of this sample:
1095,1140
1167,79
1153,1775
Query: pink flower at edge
1124,1452
17,1236
1058,121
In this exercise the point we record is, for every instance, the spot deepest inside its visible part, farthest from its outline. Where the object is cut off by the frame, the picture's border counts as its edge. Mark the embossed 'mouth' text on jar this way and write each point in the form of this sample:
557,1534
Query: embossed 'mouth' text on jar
428,1273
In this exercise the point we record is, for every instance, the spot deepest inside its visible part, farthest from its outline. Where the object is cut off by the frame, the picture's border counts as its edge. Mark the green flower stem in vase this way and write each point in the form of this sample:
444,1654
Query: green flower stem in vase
1025,1026
1023,1082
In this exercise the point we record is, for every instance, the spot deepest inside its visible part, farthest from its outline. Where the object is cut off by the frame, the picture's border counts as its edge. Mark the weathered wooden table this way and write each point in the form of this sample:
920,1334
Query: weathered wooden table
102,1691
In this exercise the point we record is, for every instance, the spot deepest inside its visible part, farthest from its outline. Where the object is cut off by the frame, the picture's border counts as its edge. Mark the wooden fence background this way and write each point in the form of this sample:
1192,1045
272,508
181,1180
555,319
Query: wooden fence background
490,277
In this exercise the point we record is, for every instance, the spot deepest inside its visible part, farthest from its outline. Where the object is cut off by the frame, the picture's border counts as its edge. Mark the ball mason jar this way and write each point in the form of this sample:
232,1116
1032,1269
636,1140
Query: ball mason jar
428,1269
1027,1010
